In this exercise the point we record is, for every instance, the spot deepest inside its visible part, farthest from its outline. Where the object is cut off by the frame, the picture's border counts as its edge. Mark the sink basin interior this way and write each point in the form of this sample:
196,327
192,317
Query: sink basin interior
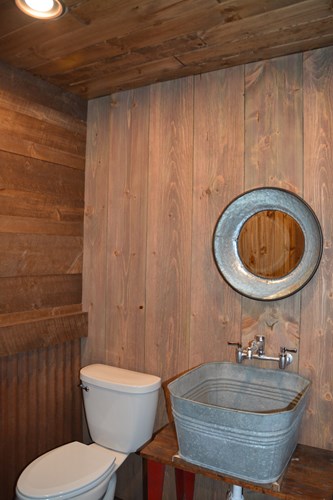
244,388
239,420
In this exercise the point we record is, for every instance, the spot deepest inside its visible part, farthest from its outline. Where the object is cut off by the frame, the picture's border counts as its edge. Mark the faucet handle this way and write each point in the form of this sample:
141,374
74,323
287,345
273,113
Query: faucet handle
238,344
239,351
283,350
285,358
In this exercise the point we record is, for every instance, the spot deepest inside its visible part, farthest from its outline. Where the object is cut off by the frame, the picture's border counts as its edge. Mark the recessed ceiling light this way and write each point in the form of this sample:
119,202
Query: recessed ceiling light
41,9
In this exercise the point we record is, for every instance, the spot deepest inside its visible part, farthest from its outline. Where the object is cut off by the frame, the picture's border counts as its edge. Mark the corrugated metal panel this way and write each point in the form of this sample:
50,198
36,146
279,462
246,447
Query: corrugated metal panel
40,407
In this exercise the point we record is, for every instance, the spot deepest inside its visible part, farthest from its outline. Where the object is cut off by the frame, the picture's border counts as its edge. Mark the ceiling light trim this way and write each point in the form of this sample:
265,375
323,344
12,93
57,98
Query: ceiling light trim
57,10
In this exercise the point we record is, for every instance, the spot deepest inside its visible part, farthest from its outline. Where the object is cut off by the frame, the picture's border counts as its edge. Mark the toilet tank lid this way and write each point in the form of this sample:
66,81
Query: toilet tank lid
119,379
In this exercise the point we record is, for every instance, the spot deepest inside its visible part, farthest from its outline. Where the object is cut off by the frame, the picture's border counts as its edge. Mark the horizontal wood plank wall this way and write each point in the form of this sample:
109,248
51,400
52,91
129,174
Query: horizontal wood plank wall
42,161
199,158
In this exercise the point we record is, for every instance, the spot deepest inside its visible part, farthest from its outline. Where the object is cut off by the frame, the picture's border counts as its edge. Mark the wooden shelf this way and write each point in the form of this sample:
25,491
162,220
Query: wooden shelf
308,475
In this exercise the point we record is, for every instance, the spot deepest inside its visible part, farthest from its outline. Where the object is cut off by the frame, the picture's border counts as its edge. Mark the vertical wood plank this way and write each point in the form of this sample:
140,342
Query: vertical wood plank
273,157
317,307
127,229
95,229
218,178
169,228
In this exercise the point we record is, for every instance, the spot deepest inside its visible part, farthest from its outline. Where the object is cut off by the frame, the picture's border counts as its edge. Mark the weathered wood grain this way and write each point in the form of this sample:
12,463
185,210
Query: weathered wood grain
317,308
15,318
39,131
273,157
25,337
29,176
217,179
39,254
169,229
23,85
126,240
101,47
95,228
28,293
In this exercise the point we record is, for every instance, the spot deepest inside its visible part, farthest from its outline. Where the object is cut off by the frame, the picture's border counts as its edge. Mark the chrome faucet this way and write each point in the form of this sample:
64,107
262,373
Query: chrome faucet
256,350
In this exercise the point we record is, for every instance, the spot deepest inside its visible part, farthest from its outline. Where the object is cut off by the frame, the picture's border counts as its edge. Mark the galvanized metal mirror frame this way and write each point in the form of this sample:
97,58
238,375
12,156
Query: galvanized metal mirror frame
225,243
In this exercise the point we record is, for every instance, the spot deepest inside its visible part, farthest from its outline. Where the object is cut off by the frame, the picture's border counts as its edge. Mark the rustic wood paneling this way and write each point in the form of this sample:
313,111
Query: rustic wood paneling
317,307
46,101
95,228
273,157
38,189
40,407
25,293
126,245
42,154
204,150
24,337
217,179
104,46
39,254
167,335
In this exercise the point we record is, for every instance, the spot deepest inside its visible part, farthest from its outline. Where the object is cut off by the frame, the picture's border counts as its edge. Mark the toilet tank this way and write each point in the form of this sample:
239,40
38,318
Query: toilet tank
120,406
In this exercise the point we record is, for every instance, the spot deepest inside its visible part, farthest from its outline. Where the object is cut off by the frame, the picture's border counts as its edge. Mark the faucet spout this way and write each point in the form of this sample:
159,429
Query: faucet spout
256,346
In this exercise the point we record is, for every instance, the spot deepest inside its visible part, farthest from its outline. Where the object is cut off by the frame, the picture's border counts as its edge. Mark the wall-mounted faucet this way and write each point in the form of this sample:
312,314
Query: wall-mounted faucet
256,350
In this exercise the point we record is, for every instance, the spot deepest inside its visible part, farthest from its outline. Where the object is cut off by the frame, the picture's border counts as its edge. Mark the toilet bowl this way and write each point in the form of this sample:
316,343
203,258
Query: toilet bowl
120,408
74,470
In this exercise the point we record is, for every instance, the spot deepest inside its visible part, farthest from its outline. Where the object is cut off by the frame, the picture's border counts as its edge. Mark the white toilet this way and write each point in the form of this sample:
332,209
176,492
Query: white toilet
120,407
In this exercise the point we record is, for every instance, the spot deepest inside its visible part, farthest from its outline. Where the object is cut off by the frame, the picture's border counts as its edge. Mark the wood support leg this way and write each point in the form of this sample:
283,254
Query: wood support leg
184,484
155,479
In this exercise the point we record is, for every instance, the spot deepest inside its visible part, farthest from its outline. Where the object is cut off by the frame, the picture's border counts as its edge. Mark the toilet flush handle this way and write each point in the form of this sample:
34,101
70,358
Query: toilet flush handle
84,387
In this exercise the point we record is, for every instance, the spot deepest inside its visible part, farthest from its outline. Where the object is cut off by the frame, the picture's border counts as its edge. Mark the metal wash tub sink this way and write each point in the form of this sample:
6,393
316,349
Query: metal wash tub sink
239,420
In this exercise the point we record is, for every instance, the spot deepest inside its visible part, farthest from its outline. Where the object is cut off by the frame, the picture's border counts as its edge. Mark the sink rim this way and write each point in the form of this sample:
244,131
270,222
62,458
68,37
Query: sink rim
299,395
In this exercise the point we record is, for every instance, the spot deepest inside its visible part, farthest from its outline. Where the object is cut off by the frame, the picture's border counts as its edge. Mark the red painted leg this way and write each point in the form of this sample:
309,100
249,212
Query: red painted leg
179,483
189,479
184,484
155,473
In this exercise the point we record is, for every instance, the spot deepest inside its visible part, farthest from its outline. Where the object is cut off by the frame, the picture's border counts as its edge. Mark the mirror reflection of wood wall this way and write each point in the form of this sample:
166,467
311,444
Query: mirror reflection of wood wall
271,244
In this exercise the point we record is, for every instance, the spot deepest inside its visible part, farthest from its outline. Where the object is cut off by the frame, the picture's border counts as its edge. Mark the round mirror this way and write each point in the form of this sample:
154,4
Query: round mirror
267,243
271,244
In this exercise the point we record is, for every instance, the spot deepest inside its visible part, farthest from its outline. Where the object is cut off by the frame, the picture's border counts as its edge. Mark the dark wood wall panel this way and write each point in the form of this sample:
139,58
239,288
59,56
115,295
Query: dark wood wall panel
210,138
25,293
317,307
42,157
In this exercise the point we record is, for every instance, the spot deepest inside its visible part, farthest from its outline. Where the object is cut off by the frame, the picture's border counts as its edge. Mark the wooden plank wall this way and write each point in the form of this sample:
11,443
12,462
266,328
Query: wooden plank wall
42,158
174,154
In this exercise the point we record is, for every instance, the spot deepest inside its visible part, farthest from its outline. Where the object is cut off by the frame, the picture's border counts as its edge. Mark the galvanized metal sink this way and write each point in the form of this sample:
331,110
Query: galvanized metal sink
239,420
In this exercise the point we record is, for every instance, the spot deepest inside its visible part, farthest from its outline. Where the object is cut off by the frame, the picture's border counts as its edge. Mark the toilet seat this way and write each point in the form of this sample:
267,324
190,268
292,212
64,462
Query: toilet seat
70,469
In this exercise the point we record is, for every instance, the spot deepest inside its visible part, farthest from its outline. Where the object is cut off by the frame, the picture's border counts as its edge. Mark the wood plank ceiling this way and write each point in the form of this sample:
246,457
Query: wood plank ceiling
103,46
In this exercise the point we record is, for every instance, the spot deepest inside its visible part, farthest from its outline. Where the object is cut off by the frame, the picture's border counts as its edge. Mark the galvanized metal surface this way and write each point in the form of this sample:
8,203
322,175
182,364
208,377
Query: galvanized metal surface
238,420
227,232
